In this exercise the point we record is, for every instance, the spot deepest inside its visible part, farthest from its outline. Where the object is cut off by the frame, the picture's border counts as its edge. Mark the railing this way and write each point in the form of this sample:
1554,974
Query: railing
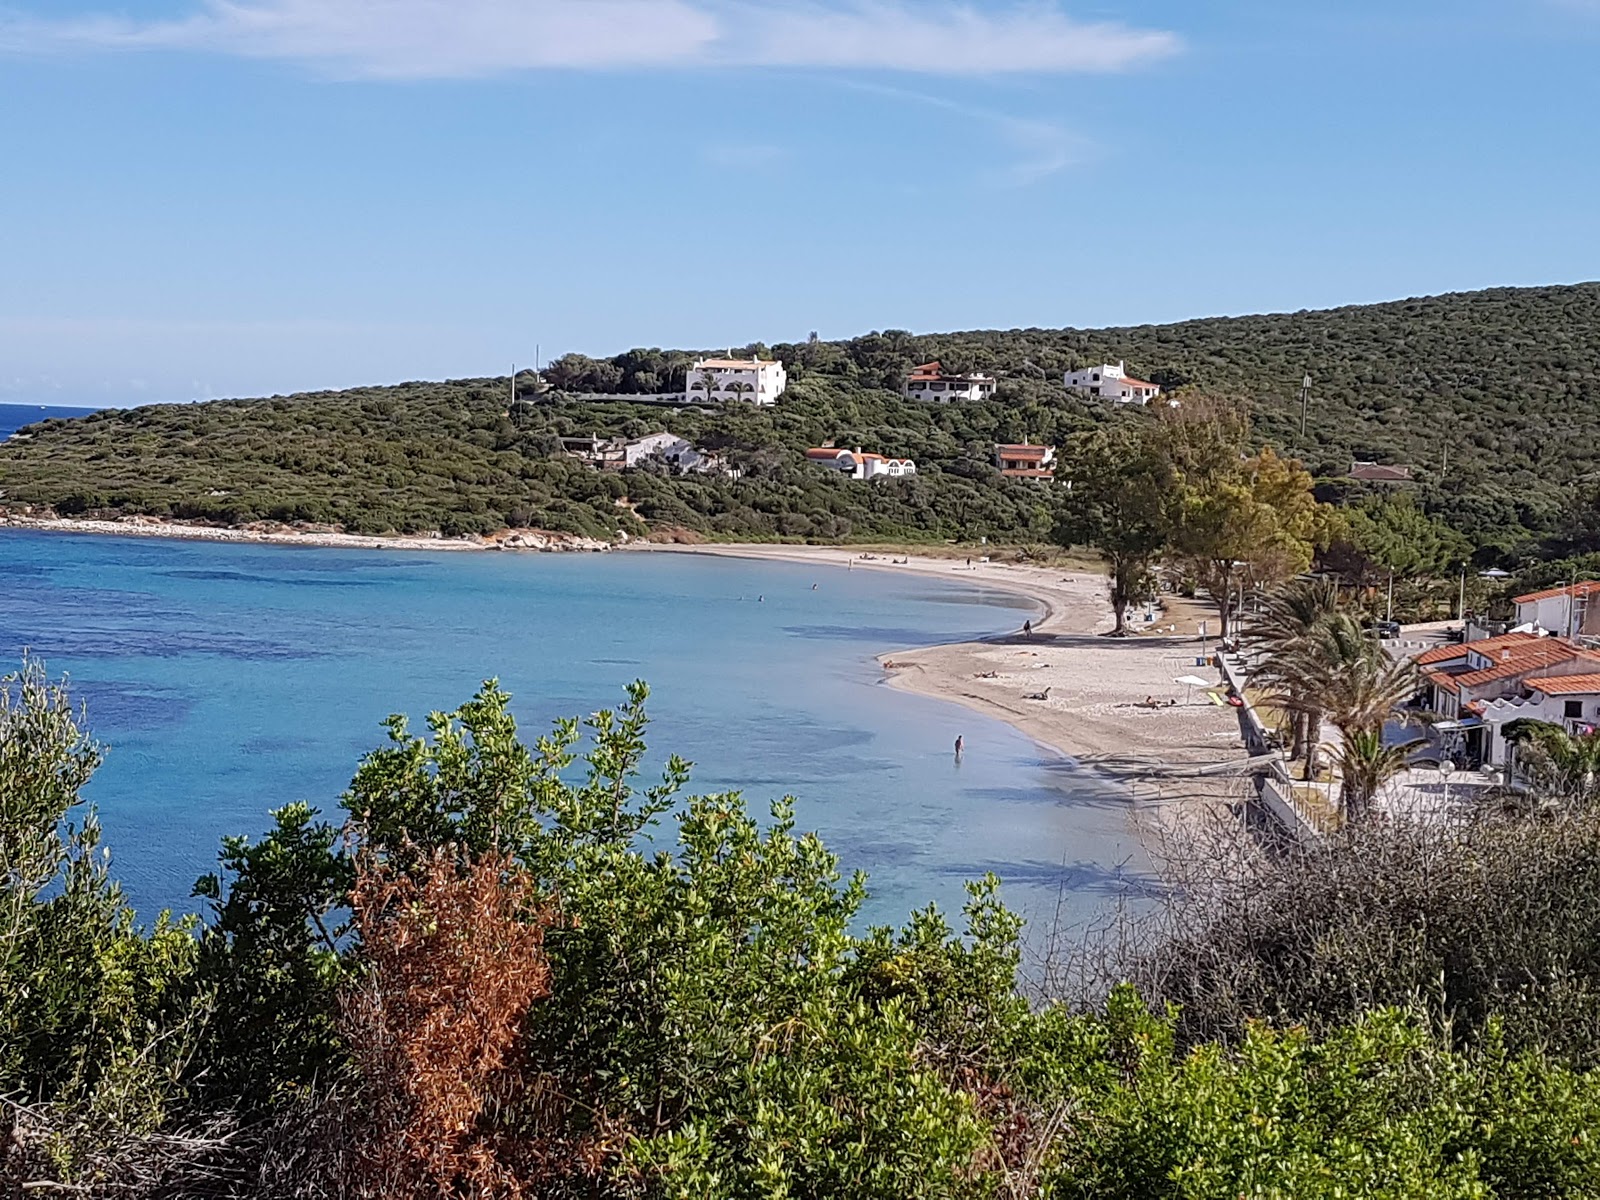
1274,788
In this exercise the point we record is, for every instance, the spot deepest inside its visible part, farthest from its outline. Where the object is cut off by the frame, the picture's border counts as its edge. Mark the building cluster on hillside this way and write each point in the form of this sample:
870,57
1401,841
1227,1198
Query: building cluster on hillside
1547,668
761,381
668,449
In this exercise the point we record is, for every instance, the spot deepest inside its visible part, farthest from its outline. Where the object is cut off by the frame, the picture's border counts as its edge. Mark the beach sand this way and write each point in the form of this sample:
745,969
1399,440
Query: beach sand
274,534
1095,683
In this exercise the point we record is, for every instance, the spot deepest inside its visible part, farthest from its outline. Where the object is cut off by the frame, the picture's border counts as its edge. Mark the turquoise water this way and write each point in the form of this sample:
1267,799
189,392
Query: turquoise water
227,680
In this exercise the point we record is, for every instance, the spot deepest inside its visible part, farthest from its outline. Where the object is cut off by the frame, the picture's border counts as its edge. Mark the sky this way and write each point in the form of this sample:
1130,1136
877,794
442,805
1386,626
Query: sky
203,198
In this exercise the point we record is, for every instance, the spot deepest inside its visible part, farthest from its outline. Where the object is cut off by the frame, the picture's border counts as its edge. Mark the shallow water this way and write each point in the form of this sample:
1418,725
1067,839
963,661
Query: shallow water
230,679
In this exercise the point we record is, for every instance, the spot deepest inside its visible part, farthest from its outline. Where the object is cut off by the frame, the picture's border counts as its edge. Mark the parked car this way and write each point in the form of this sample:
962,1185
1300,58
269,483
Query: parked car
1386,629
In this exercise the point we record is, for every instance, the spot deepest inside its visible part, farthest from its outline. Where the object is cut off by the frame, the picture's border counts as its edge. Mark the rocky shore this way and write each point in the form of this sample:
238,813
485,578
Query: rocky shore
277,533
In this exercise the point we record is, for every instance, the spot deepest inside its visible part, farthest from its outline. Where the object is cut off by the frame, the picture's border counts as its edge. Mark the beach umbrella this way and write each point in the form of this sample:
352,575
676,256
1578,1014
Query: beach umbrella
1191,682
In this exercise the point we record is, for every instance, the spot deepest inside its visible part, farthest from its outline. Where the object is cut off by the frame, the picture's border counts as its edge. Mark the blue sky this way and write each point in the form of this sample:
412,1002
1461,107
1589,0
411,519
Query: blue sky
233,197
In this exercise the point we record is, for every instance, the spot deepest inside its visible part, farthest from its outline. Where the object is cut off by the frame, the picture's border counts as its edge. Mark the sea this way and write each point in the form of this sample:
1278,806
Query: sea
14,416
227,680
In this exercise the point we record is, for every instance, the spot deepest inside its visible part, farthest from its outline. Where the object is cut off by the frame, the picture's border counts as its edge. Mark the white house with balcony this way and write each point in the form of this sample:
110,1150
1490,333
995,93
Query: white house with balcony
856,465
758,381
931,382
1112,383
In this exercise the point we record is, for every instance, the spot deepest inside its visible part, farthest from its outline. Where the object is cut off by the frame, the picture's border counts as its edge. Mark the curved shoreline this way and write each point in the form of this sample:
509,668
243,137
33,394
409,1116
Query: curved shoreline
1091,714
1095,686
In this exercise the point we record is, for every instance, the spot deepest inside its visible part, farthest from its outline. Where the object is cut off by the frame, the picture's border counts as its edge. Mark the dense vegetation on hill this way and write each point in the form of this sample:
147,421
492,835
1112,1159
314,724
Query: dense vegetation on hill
1493,399
487,984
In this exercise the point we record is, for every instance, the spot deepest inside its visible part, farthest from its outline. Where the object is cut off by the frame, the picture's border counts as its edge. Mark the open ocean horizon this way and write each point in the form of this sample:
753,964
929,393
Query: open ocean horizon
227,680
14,416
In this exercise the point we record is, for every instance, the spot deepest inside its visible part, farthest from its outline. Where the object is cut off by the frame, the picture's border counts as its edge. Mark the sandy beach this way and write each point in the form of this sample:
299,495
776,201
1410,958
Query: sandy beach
273,534
1093,686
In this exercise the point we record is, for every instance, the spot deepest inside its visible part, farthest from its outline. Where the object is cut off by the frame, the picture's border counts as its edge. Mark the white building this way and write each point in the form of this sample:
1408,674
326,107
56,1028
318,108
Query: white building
1112,383
932,382
857,465
1565,611
1571,701
757,381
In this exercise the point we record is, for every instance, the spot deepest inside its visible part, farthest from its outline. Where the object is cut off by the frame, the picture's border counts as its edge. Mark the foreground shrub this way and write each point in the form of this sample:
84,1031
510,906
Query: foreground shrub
1491,918
502,978
453,959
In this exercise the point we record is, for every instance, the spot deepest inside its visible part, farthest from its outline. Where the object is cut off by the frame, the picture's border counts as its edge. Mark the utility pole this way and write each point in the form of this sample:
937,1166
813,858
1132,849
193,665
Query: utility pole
1390,617
1461,603
1305,399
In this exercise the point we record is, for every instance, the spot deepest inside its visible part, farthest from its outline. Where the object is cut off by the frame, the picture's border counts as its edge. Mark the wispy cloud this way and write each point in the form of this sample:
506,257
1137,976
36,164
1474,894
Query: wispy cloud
1040,148
418,39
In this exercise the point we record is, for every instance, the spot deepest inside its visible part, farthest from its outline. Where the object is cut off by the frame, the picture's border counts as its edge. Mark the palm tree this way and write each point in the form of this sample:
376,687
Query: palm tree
708,382
1366,765
741,389
1340,673
1288,619
1560,766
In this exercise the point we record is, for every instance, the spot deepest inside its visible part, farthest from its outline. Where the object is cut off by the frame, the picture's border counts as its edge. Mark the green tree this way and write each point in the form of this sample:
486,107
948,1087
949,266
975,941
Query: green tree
1118,500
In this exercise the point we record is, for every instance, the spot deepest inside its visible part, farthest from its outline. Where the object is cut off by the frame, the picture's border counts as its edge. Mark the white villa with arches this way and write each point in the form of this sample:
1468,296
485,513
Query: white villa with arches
757,381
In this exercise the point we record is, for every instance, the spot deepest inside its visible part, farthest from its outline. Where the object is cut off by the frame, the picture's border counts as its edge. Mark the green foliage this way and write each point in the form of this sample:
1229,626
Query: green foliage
270,955
1121,500
1376,1109
1401,1014
98,1017
1487,395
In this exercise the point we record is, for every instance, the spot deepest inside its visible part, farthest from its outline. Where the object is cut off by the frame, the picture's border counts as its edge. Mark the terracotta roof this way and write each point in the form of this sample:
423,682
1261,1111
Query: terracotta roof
1572,589
1567,685
1132,382
827,452
1523,660
1459,649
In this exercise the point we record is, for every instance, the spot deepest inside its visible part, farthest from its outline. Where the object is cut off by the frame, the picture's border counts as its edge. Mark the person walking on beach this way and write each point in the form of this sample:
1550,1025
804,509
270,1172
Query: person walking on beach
960,745
1027,628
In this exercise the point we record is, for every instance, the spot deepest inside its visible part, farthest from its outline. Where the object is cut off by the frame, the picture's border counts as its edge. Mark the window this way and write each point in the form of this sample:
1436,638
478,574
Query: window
1096,376
1573,709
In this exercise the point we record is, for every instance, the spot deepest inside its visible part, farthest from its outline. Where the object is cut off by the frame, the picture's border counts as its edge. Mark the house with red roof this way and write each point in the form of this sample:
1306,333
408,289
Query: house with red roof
1025,461
1476,687
1112,383
933,383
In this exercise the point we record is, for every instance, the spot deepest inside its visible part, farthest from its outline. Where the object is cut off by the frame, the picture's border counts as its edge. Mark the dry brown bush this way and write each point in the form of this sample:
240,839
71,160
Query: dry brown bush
455,957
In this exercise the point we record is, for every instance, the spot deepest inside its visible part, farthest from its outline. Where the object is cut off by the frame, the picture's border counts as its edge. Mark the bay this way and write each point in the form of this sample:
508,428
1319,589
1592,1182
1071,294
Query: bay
227,680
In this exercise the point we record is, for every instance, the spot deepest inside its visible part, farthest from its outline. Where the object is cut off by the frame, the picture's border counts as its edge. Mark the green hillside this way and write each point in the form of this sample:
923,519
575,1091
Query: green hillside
1489,396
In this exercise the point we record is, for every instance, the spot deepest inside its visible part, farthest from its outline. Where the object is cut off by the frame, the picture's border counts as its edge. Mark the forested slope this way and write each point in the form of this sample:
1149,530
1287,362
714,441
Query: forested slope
1491,397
